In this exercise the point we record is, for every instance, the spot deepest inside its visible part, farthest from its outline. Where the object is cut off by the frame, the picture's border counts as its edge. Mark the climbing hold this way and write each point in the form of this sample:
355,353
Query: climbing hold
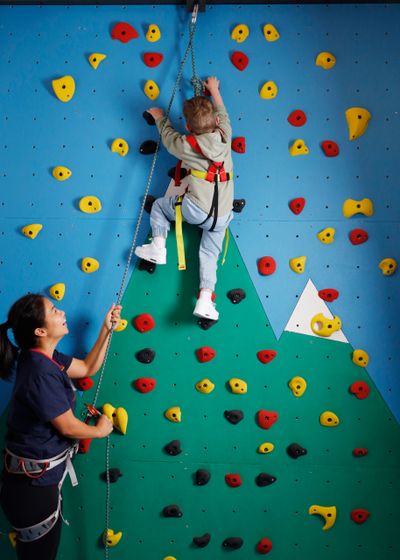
90,204
233,542
84,383
328,419
298,148
358,236
266,418
298,264
240,33
270,32
148,203
266,266
32,230
297,118
265,448
84,445
202,477
234,416
322,326
153,33
144,384
61,173
151,89
298,385
327,235
238,205
144,323
360,389
265,479
123,323
239,145
360,452
205,354
325,60
357,121
172,511
173,448
95,59
330,148
152,59
327,512
120,146
205,386
359,515
169,558
173,414
238,386
352,207
294,450
236,295
239,60
64,88
202,541
148,147
147,266
118,416
264,546
388,266
12,535
233,480
57,291
181,175
360,358
205,324
150,121
328,294
297,205
110,538
269,90
114,475
89,265
266,356
124,32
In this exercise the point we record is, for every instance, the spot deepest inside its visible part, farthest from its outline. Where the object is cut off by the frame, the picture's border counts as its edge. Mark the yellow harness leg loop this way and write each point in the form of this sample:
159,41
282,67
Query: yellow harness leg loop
226,246
179,236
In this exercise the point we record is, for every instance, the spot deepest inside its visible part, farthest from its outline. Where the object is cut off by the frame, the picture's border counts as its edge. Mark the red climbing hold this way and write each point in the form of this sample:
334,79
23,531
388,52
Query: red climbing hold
85,383
330,148
264,546
124,32
360,452
152,59
145,384
359,515
328,294
360,389
358,236
239,145
144,323
266,418
266,265
297,118
297,205
239,60
84,445
205,354
266,356
233,480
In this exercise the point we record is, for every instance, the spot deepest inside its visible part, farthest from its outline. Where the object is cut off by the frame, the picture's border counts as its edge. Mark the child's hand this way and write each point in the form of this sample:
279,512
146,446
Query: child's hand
212,84
113,317
156,113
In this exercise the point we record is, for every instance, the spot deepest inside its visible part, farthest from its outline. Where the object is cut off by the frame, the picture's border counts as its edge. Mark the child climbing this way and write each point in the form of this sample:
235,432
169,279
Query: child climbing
208,201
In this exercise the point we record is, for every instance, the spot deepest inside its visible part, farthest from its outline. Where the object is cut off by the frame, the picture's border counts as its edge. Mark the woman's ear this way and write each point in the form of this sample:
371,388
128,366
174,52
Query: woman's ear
187,127
40,332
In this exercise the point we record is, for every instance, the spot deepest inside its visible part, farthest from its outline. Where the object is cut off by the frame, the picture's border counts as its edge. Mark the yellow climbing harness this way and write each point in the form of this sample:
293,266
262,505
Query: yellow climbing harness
179,235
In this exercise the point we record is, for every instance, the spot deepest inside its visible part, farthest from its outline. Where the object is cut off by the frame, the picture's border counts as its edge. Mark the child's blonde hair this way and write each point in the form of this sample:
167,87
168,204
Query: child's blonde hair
199,115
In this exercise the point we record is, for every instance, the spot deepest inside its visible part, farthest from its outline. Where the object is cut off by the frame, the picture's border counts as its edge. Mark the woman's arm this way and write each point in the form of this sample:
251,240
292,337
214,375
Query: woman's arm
69,426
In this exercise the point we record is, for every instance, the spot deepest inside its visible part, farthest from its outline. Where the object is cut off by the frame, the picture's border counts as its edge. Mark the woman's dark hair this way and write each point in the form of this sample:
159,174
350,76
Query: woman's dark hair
25,315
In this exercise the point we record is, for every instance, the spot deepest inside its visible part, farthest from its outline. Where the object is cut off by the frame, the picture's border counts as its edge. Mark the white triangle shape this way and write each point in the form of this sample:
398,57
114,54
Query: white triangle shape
309,305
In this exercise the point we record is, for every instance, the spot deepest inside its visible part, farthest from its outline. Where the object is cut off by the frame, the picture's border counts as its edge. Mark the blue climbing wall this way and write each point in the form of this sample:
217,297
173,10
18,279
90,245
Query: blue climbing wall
39,132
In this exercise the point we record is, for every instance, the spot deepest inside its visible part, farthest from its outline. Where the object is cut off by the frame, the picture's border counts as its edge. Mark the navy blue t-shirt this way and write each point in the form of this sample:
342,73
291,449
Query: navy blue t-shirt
42,392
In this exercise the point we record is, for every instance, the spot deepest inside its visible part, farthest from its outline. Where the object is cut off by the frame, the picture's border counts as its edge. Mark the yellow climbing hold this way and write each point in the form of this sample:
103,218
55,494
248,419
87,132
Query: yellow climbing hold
151,89
357,121
325,60
266,447
173,414
89,204
123,323
327,235
170,558
327,512
205,386
388,266
61,173
322,326
64,88
298,148
95,59
240,33
328,419
31,230
110,538
352,207
298,264
298,385
270,32
269,90
120,146
238,386
118,416
57,291
360,358
12,535
90,265
153,33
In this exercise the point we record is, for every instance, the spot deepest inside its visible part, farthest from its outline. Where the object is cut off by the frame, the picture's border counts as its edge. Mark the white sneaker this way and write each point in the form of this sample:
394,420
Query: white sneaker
206,308
152,253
